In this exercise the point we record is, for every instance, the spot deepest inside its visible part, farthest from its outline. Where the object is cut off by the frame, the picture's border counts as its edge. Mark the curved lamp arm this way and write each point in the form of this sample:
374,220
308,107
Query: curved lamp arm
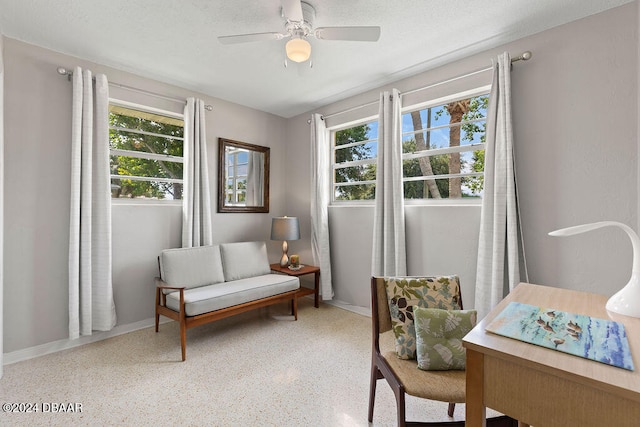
627,300
577,229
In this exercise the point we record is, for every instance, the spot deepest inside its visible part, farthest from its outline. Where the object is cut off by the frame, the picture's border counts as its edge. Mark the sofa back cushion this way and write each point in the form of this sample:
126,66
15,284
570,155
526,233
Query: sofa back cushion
244,259
191,267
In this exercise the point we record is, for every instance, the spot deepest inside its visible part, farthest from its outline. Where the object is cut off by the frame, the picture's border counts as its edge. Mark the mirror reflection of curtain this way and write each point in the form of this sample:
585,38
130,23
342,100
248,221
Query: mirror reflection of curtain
255,179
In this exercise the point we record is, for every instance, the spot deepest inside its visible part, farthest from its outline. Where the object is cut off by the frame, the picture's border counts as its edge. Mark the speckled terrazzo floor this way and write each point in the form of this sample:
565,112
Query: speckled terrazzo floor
256,369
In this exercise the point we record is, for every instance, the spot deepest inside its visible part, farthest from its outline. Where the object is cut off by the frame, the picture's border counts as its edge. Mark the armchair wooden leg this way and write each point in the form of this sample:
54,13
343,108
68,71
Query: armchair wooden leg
452,407
294,304
402,422
375,374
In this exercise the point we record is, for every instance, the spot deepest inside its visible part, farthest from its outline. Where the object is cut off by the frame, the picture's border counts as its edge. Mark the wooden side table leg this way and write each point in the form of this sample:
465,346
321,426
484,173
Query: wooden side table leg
475,409
317,290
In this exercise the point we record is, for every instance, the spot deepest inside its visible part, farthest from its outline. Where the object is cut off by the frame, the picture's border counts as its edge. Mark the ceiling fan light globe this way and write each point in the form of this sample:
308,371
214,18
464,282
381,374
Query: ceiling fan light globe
298,50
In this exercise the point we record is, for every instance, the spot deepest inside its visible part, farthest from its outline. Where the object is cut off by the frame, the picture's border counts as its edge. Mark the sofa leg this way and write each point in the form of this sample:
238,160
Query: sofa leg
183,339
157,304
294,304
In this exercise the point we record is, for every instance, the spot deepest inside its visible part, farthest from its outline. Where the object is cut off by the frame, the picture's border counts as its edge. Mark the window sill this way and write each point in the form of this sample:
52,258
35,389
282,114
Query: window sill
145,202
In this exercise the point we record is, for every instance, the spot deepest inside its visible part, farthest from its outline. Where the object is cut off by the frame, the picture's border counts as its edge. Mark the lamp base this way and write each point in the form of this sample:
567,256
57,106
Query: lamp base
284,261
627,300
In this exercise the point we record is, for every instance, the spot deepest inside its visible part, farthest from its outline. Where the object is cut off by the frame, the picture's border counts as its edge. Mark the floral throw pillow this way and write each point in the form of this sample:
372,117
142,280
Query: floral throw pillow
406,293
439,336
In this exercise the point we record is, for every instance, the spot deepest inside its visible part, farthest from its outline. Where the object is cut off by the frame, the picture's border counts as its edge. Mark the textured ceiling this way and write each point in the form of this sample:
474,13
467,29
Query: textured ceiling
175,41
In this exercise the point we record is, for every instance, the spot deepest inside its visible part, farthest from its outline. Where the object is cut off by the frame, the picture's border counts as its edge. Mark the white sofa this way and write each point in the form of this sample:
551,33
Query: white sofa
202,284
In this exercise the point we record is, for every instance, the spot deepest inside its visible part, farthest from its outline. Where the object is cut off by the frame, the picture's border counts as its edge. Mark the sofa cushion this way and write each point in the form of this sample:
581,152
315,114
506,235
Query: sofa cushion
244,259
191,267
222,295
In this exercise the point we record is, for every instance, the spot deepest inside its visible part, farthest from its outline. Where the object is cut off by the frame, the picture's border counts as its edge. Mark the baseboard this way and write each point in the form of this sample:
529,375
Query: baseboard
65,344
365,311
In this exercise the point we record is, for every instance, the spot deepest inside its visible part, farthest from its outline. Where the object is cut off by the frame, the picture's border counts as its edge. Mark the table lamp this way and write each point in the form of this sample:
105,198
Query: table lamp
285,228
627,300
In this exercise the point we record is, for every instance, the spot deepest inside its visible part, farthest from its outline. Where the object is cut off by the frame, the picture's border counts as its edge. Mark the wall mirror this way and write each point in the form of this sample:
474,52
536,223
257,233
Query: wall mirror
243,177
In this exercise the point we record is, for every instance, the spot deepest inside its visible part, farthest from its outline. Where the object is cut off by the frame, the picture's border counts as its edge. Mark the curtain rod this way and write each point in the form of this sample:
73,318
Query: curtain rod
525,56
64,72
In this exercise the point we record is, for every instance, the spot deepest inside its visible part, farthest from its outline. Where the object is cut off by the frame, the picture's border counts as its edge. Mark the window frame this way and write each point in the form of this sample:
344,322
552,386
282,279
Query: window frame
471,93
147,156
332,136
474,201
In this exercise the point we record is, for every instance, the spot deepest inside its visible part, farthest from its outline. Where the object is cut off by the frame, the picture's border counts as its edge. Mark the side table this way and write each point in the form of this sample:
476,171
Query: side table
307,269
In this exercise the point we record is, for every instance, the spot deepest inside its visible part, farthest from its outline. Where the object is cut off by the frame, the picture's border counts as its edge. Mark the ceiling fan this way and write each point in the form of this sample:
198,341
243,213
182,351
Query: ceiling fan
299,16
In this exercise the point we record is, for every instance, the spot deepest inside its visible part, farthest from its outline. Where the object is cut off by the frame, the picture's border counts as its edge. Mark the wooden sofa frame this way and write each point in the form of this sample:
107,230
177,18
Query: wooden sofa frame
187,322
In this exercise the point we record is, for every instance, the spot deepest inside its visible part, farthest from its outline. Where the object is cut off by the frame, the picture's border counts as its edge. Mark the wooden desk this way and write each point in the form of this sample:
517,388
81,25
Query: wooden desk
547,388
307,269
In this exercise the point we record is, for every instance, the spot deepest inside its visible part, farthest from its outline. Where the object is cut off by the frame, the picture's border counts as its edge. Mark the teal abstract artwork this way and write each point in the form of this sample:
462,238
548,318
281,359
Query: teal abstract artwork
601,340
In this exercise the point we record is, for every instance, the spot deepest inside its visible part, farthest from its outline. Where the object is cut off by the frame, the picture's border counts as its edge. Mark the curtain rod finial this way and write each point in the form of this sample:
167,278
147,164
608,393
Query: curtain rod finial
526,56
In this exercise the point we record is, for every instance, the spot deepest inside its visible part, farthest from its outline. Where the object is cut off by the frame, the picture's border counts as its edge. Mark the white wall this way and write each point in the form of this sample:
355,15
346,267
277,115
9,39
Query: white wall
575,128
37,156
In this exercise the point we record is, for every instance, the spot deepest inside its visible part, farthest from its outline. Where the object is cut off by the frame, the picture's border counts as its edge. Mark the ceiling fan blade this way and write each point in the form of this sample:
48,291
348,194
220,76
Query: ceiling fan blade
360,34
292,10
247,38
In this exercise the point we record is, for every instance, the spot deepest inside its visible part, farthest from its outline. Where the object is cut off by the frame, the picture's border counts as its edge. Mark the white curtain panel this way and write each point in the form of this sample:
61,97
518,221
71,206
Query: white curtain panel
320,191
196,198
255,179
1,193
91,305
389,251
498,270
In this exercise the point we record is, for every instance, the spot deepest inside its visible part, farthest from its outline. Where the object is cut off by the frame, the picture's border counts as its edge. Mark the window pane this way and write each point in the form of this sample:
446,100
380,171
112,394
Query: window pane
367,150
132,166
444,164
356,173
126,188
123,140
356,192
438,189
456,123
363,132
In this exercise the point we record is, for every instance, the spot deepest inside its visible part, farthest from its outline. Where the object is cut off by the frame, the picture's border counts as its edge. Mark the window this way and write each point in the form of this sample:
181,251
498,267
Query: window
443,148
355,150
146,150
443,152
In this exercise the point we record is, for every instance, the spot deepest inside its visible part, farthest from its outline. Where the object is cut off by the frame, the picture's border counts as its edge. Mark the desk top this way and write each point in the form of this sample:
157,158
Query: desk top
594,374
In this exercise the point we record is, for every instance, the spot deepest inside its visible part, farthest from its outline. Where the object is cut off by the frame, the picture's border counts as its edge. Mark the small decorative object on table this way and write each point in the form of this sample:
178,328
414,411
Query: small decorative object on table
294,261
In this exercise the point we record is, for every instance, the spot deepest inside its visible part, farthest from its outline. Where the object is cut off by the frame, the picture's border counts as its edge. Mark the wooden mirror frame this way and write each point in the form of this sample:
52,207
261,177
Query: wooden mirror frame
223,143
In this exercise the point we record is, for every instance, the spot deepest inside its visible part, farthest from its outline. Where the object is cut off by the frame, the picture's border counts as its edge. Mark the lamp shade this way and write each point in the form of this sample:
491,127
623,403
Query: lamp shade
298,50
285,228
627,300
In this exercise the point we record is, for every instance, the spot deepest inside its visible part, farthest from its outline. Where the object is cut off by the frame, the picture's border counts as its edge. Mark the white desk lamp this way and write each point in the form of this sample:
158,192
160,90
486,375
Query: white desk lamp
627,300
